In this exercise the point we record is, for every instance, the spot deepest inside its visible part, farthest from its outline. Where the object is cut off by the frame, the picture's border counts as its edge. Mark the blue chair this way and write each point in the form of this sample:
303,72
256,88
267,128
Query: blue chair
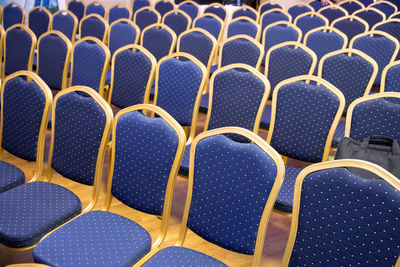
39,20
19,49
310,20
159,40
190,7
66,22
390,26
118,11
96,7
25,112
218,10
395,15
386,7
351,6
53,58
316,4
333,12
359,211
13,14
77,7
95,26
371,15
211,23
243,25
246,193
132,74
298,9
122,32
245,11
305,113
80,132
268,5
90,58
391,78
272,16
178,21
138,4
164,6
145,17
351,26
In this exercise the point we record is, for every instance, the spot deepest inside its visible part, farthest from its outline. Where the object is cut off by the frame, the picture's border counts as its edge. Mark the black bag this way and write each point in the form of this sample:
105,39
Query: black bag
381,150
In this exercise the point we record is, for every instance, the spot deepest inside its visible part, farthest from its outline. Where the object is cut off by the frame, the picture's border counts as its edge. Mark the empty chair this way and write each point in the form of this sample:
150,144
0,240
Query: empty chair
19,49
309,21
164,6
243,25
122,32
118,11
66,22
385,6
39,20
138,4
246,11
390,81
190,7
24,137
268,5
77,7
273,15
95,26
317,5
178,21
371,15
217,9
332,12
159,40
351,26
13,14
298,9
53,58
305,113
390,26
395,15
351,6
133,69
96,7
211,23
328,197
146,16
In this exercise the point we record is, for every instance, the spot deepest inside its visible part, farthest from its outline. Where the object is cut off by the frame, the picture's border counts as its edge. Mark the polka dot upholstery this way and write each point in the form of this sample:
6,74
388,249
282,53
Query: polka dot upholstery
38,21
138,4
79,126
284,202
132,70
209,24
242,27
78,8
297,10
346,220
332,13
145,18
93,26
266,118
392,81
244,13
88,62
190,9
307,23
31,210
392,28
316,5
339,133
240,50
163,7
177,22
272,17
217,10
204,103
351,6
367,2
51,60
96,238
158,41
12,14
385,8
279,34
268,6
10,176
64,23
370,16
350,27
145,149
196,44
95,8
180,256
117,12
121,34
184,168
17,50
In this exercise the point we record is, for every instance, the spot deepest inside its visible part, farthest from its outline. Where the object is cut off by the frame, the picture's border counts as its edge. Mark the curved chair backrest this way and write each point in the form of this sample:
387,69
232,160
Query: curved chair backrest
317,5
164,6
246,11
272,16
90,58
374,114
132,74
39,20
386,7
122,32
305,112
351,6
53,58
159,40
95,26
66,22
19,49
138,4
217,9
190,7
395,15
198,43
13,14
178,21
287,60
118,11
211,23
391,78
96,7
298,9
77,7
310,20
390,26
351,71
280,32
381,46
145,17
243,25
268,5
371,15
351,26
333,12
358,210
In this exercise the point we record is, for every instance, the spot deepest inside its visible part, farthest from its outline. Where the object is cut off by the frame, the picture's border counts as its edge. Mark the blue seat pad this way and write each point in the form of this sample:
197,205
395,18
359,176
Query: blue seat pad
184,168
339,133
284,202
266,118
204,103
10,176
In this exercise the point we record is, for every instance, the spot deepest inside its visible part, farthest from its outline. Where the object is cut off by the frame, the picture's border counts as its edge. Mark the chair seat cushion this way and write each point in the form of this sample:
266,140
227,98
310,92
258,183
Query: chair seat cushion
10,176
204,103
108,78
213,68
339,133
96,238
266,118
184,168
31,210
284,202
179,256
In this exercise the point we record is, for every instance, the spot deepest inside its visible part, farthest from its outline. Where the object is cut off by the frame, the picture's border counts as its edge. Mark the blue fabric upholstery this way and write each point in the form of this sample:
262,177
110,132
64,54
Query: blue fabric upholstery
144,155
392,28
11,15
78,8
244,13
385,8
392,79
370,16
350,27
351,7
343,218
279,34
177,22
209,24
242,27
271,18
304,116
184,168
64,23
117,12
158,41
38,21
132,71
397,16
190,9
31,210
297,10
18,44
308,23
145,18
339,133
316,4
52,55
366,2
121,34
178,78
180,256
284,201
204,103
220,12
268,6
163,7
266,118
350,74
88,63
96,238
93,26
198,45
332,13
138,4
94,8
10,176
240,50
80,123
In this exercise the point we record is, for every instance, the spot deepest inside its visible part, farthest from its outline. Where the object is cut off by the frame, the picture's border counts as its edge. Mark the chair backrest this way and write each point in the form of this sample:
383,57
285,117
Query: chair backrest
66,22
332,12
351,6
246,11
198,43
252,188
90,58
374,114
287,60
243,25
118,11
13,14
95,26
317,5
351,71
19,49
268,5
395,15
159,40
391,78
310,20
178,21
305,112
211,23
272,16
360,212
217,9
371,15
380,46
77,7
39,20
53,58
138,4
122,32
190,7
298,9
146,16
164,6
385,6
96,7
390,26
351,26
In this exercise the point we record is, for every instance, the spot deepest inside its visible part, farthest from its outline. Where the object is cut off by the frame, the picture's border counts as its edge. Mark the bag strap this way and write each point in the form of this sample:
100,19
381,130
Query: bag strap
390,141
